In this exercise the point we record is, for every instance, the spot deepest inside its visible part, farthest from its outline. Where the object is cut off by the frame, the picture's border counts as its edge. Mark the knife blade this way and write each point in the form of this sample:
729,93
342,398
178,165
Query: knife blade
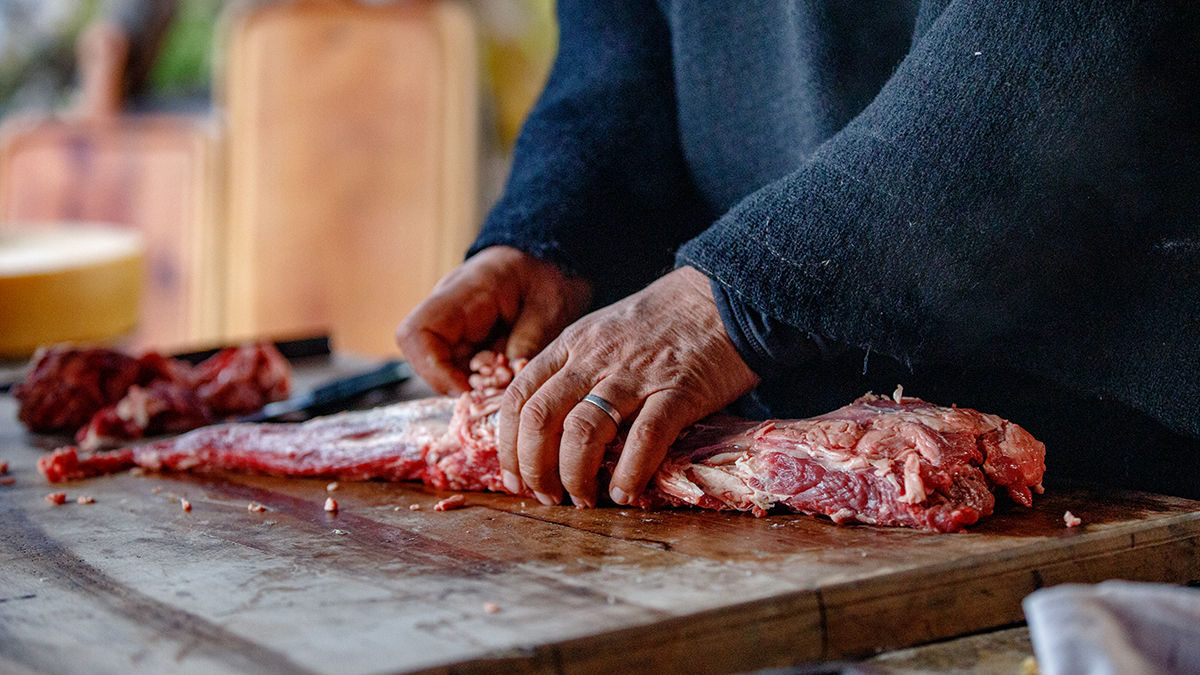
334,394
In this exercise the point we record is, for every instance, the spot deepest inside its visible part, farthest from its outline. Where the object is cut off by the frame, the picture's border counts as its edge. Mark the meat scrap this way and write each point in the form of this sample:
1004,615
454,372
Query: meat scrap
105,397
878,460
450,503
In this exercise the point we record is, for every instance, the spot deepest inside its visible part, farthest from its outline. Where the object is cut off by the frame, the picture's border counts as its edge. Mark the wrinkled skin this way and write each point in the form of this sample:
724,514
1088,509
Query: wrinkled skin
660,356
500,299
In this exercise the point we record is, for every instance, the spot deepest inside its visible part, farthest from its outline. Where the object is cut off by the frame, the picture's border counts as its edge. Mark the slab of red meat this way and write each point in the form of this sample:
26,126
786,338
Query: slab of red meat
107,397
161,407
879,461
66,386
240,380
387,443
875,461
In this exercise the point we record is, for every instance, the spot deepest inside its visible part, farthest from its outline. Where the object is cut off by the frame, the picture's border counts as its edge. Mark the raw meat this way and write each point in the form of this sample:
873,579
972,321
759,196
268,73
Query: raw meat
876,461
241,380
387,443
161,407
66,386
106,397
884,461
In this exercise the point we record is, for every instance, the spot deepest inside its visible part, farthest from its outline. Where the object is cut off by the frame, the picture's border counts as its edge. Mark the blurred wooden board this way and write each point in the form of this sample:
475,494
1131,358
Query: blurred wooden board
353,160
1001,652
132,584
155,174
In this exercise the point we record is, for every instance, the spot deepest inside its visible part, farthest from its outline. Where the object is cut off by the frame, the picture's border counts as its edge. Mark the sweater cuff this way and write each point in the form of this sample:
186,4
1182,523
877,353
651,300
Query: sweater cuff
766,344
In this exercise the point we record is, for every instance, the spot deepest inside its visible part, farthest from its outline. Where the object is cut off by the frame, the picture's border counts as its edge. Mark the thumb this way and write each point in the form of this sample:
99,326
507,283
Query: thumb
530,333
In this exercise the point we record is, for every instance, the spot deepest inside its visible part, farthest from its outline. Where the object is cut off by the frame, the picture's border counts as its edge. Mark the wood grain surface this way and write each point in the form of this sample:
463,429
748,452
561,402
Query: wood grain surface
133,584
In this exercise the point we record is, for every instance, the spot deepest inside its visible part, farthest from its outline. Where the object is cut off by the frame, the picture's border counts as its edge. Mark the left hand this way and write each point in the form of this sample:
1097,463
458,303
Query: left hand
661,357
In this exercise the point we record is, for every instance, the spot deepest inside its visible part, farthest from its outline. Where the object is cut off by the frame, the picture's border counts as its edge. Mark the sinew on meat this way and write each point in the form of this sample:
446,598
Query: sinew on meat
880,460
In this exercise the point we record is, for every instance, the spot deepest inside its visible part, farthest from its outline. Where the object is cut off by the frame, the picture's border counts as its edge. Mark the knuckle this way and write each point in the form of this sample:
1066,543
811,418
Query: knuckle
536,416
511,401
581,431
650,433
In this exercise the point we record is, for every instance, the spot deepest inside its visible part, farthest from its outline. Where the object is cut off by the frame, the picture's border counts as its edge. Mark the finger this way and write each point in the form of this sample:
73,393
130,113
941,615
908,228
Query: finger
540,435
432,357
519,391
587,431
546,313
530,333
653,431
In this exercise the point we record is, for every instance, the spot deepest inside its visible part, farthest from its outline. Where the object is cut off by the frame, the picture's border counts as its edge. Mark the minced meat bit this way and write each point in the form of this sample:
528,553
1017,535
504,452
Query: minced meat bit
451,502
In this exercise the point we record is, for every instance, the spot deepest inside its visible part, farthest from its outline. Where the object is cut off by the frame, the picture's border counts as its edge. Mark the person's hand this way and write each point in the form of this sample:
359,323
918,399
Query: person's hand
660,357
499,299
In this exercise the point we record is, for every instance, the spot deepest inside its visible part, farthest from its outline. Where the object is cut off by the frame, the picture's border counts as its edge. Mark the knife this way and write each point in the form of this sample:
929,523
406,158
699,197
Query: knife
334,394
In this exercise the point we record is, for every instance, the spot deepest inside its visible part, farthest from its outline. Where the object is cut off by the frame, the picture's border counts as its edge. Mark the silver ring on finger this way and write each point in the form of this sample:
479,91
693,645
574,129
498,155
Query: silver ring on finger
608,408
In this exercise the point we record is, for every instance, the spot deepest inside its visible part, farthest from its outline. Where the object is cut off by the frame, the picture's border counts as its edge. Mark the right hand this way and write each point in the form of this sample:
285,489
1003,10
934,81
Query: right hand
500,299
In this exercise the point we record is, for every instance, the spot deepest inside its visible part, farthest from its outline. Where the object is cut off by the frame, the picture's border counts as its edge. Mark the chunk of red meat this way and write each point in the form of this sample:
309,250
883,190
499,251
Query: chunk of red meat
162,407
240,380
66,386
106,397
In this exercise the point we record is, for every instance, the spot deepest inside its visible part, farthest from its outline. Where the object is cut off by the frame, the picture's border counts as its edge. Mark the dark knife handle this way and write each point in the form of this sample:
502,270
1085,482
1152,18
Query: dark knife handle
335,393
297,348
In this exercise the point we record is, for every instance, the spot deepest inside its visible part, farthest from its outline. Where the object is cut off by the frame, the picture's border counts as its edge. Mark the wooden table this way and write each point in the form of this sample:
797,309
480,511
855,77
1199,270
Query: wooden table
133,584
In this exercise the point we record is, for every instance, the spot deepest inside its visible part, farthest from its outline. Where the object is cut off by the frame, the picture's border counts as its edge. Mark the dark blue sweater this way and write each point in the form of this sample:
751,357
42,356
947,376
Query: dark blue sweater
995,204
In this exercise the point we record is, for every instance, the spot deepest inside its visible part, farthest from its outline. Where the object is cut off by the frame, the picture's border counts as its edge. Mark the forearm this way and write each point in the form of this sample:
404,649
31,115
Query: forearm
598,185
1005,200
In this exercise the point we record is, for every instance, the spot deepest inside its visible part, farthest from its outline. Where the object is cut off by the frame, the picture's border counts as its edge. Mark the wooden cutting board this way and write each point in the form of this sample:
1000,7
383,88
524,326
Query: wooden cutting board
133,584
353,161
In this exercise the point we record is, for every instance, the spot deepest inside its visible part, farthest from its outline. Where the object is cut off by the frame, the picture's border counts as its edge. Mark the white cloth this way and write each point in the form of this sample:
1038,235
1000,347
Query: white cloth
1115,628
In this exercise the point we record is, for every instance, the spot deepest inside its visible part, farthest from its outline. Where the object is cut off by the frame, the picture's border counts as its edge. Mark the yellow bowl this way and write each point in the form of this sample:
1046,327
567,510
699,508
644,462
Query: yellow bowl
80,283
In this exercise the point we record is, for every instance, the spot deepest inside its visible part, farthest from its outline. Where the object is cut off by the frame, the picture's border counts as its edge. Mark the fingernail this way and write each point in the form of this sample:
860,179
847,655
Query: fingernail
545,499
618,495
581,503
511,482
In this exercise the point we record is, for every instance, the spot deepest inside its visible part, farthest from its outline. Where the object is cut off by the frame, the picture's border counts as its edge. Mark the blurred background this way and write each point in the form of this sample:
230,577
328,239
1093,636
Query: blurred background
292,166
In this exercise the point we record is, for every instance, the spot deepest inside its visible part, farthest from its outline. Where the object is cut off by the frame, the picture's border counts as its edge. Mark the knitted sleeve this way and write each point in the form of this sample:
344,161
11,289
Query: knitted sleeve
1024,191
598,185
